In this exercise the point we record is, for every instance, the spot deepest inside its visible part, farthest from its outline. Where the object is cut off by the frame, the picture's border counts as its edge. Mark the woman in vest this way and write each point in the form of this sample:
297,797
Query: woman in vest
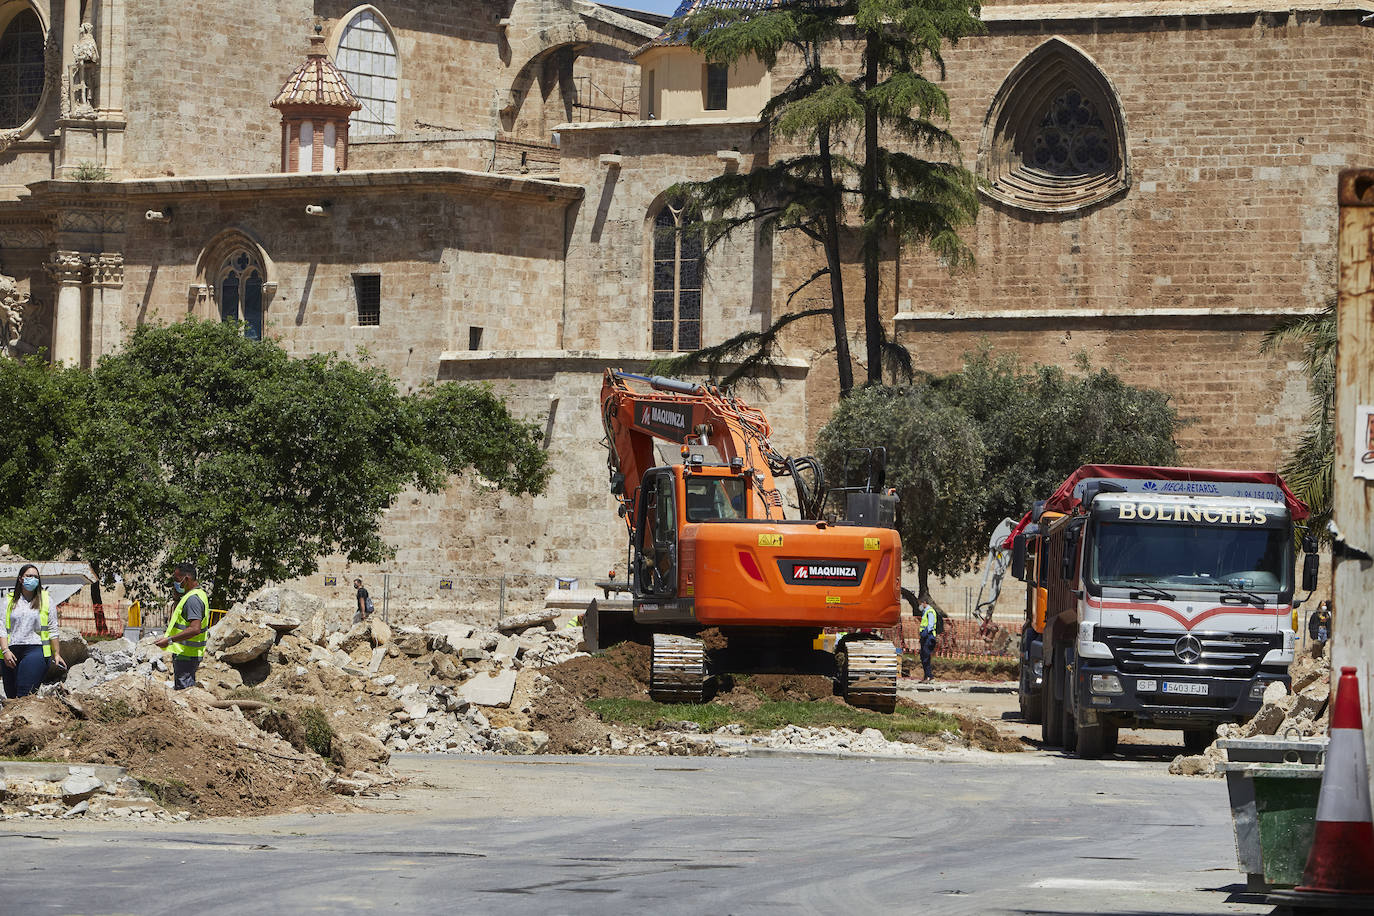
29,634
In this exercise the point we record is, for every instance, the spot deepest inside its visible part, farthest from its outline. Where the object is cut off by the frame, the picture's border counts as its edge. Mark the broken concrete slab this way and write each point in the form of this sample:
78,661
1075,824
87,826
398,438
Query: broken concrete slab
412,643
518,623
76,788
489,689
375,663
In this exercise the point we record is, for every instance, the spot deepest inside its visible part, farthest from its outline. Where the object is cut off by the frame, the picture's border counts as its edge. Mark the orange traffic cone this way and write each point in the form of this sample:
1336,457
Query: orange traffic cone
1342,857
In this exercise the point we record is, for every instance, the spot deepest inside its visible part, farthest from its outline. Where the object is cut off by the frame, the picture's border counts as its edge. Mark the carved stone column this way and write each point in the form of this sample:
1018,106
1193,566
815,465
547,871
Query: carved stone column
107,303
71,30
68,270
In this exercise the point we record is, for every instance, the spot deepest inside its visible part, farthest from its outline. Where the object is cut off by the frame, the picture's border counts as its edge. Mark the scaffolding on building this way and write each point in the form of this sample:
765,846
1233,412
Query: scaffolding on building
597,103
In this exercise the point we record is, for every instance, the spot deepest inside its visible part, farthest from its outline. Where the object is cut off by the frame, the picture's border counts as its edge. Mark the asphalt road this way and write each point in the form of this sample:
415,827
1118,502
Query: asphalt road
1026,833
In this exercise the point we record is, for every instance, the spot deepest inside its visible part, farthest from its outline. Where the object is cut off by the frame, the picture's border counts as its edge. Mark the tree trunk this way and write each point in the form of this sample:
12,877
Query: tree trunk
832,260
224,566
872,241
922,582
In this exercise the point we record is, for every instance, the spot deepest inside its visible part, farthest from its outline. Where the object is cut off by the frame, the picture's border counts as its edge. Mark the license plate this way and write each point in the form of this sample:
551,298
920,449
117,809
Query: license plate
1197,690
1145,686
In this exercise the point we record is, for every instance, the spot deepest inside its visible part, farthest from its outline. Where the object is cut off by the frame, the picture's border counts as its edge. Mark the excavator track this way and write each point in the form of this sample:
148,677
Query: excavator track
679,670
870,674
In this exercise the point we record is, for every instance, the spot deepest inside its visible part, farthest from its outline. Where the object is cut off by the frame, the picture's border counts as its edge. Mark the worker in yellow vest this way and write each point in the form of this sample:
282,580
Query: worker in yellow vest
28,639
187,630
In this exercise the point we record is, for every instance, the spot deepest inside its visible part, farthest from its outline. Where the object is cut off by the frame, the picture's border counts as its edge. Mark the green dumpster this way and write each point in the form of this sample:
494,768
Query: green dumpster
1273,785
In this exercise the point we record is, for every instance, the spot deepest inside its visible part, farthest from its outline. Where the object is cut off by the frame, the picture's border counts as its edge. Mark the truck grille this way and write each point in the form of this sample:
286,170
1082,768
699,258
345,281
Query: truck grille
1236,655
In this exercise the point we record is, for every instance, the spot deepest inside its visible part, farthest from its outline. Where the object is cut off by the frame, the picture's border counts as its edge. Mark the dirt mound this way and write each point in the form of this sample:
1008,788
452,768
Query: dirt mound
186,752
804,688
984,735
569,725
621,671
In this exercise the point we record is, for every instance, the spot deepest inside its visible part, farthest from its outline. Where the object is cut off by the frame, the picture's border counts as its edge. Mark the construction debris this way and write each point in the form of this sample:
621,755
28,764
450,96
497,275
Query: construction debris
1302,713
297,706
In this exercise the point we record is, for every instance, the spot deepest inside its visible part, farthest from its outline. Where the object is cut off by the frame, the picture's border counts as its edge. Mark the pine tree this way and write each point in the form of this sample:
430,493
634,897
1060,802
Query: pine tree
878,196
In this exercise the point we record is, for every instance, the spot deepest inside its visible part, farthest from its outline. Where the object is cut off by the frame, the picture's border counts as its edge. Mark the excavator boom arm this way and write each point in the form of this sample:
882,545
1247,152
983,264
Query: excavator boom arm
684,414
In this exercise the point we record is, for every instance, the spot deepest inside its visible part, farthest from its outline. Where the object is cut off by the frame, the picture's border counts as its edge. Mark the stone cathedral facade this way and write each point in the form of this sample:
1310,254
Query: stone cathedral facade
469,190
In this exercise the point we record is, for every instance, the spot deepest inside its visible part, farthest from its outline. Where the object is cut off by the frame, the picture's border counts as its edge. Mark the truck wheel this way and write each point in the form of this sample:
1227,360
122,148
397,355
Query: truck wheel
1051,720
1032,703
1092,741
1195,740
1113,734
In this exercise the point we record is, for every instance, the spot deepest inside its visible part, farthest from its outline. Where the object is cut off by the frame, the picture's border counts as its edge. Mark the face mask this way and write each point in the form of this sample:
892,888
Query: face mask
30,582
178,586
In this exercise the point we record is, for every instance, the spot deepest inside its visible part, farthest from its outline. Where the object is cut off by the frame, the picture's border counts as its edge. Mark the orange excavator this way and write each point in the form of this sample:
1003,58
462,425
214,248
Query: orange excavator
721,580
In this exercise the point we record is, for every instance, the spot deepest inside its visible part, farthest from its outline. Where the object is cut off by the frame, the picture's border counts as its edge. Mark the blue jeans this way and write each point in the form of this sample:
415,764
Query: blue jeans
24,678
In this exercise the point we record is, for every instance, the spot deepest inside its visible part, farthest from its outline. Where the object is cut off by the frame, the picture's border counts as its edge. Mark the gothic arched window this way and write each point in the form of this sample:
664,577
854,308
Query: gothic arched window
367,58
1054,139
678,267
240,292
21,69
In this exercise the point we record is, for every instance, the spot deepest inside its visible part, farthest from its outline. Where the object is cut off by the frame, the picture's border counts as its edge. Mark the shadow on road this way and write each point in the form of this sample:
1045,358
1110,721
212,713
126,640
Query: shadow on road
1144,745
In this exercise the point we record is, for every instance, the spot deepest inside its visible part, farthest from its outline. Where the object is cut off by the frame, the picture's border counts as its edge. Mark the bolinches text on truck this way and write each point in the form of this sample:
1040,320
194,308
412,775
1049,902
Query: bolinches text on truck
1156,598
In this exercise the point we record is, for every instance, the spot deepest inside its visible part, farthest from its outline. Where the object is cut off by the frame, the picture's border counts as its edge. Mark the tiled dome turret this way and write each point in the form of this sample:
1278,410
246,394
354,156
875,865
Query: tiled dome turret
315,103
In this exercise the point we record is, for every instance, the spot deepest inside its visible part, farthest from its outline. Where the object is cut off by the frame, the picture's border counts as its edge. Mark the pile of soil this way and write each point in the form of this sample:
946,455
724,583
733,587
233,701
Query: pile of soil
622,672
187,753
984,735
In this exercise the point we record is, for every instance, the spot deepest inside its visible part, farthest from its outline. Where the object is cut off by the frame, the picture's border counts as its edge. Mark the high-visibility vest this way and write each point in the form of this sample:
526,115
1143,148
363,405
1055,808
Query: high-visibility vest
44,603
929,620
195,647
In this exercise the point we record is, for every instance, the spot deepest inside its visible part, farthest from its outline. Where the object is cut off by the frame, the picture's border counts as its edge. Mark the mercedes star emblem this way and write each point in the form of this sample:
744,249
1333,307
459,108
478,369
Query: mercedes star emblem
1188,649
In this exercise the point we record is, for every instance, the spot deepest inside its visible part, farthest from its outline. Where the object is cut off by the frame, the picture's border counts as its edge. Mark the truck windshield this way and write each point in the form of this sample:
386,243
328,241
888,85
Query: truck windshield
713,498
1202,557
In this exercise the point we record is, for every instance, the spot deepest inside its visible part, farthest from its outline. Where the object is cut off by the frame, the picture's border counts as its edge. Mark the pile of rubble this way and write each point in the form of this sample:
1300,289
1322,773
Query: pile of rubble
1302,712
184,750
296,705
421,689
48,790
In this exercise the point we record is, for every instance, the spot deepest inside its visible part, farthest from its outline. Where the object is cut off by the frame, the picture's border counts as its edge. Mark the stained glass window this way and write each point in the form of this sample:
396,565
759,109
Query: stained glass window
240,292
367,59
1072,140
677,276
21,69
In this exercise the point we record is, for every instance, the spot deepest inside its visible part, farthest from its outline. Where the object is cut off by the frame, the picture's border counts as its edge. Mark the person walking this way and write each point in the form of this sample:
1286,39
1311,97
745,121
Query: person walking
1319,626
929,620
29,635
364,609
186,631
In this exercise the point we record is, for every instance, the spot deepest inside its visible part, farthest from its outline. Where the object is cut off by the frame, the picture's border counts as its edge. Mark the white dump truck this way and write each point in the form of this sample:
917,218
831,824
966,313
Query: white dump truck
1156,598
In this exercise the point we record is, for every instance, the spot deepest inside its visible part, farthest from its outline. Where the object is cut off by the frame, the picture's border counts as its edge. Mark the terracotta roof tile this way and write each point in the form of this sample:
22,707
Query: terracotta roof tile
317,82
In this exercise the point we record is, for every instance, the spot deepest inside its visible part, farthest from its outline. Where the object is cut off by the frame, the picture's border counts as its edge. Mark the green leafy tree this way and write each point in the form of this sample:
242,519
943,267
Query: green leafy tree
967,449
936,461
42,407
873,197
196,443
1309,470
1041,424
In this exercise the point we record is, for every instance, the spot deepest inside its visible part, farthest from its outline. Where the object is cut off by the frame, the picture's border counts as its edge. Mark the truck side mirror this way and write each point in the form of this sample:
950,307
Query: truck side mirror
1309,543
1309,572
1018,557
